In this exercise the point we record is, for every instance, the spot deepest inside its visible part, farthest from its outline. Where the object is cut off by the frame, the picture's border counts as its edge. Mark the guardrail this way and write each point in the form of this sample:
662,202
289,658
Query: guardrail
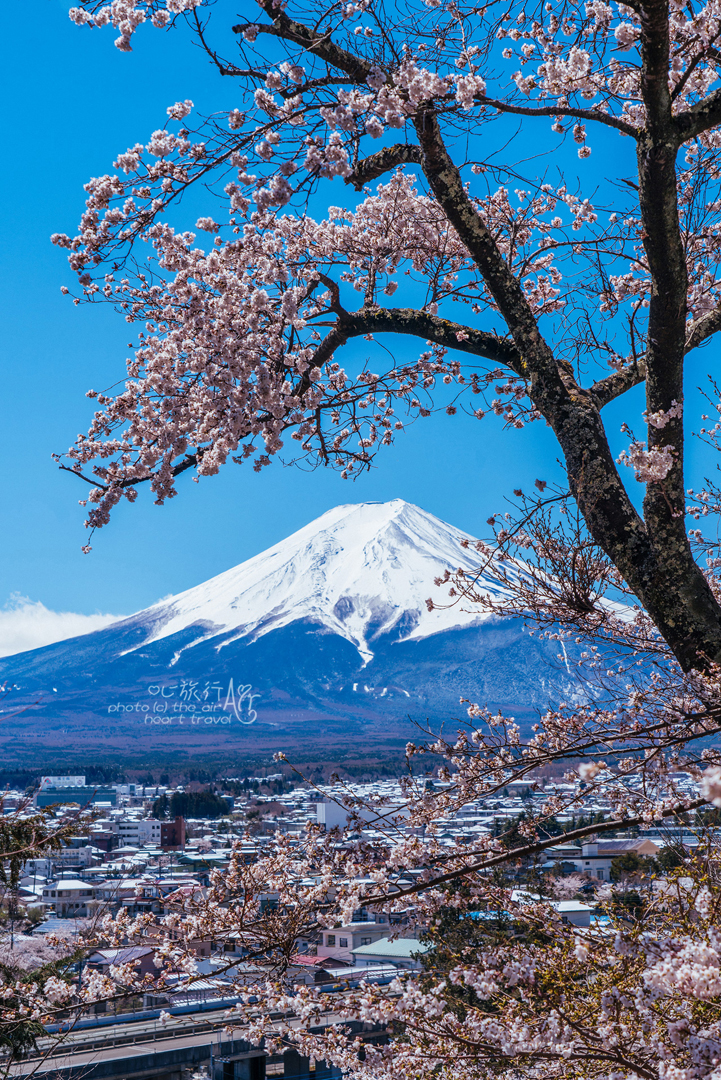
78,1046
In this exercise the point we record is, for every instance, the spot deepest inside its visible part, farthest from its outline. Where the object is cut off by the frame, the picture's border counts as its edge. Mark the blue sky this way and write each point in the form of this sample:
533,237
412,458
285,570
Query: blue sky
72,102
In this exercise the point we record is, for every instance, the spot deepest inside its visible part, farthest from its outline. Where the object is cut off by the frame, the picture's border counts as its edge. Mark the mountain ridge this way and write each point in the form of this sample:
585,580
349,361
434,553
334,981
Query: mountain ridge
321,640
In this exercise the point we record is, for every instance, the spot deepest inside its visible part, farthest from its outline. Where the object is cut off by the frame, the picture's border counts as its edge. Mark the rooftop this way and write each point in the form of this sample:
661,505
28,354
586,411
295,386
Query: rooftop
402,948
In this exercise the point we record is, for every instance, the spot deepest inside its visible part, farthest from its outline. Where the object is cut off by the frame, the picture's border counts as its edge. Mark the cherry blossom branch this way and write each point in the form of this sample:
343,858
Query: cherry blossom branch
594,115
526,850
319,44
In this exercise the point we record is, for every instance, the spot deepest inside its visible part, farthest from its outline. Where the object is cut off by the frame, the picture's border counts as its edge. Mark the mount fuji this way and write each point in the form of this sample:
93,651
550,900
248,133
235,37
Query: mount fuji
322,642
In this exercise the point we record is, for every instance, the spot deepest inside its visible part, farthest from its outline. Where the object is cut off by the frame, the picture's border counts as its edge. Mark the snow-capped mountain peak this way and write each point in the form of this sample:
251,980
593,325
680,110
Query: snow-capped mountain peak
361,571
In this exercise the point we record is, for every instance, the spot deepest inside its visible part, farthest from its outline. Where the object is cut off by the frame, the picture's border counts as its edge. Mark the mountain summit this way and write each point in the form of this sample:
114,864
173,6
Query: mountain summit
361,571
323,642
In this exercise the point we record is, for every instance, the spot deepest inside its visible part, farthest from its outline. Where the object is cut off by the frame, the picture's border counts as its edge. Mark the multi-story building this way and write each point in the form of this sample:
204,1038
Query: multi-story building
340,942
172,834
82,795
140,831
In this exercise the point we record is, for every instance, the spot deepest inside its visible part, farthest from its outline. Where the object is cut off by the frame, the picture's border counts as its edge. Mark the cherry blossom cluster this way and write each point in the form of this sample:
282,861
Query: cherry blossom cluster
588,53
650,466
127,15
245,314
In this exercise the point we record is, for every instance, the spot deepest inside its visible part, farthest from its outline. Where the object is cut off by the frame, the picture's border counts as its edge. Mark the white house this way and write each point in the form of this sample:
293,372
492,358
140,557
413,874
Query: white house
333,816
69,897
595,858
571,911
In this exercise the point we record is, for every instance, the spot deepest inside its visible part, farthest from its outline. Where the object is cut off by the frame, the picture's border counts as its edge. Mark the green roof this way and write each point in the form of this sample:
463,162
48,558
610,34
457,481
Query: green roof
401,949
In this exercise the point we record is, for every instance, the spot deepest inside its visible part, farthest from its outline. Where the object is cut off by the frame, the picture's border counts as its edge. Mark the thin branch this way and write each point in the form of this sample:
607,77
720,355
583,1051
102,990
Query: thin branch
290,30
555,110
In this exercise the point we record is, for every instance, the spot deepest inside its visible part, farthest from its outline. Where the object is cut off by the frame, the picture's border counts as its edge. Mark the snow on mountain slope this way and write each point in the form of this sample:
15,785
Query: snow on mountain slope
360,570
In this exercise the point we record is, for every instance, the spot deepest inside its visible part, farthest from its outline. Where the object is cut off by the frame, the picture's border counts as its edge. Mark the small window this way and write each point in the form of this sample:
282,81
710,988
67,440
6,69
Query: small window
343,942
330,940
274,1068
366,940
599,875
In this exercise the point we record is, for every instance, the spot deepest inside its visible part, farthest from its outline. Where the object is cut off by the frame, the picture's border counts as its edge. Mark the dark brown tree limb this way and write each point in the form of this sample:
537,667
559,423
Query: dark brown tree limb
702,329
608,389
421,324
664,502
376,165
699,118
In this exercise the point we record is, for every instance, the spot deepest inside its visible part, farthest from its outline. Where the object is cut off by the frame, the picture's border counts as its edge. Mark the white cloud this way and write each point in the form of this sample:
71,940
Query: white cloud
28,624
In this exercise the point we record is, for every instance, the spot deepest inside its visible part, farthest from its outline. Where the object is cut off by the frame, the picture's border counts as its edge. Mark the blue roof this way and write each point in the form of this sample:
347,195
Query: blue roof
487,915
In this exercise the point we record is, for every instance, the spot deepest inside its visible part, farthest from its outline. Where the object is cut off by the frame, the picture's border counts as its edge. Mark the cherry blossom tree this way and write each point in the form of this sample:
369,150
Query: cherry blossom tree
526,290
532,298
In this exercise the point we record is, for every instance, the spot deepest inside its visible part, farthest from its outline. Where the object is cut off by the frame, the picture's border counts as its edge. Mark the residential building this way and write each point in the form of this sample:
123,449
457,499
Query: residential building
595,858
340,942
141,957
69,898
